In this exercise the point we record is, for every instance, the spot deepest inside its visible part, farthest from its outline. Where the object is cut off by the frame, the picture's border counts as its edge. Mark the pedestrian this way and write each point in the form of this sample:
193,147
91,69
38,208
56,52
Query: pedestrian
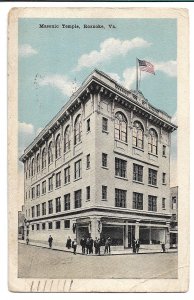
134,246
68,243
106,246
163,247
96,245
109,244
137,246
50,241
27,241
83,244
74,246
88,245
91,245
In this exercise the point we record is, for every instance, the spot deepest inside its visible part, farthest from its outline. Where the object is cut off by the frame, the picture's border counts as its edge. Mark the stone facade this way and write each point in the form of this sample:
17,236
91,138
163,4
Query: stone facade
117,148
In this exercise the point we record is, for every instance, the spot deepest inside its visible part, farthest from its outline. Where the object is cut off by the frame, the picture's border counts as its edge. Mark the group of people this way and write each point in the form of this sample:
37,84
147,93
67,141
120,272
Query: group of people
136,246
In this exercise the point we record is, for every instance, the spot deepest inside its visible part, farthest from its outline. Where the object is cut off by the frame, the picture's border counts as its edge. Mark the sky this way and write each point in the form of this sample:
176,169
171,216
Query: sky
53,62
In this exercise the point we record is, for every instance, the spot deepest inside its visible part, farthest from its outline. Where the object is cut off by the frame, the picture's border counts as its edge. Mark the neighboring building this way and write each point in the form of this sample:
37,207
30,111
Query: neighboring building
101,168
174,218
21,224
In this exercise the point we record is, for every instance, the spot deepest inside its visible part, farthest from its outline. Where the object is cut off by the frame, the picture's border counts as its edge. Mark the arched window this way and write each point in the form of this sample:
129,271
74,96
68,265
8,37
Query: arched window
32,168
77,130
50,153
138,135
38,163
120,127
29,168
43,158
153,142
67,139
58,146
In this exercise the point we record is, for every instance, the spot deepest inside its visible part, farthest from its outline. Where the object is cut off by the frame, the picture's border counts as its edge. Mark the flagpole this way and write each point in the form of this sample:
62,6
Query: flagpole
137,74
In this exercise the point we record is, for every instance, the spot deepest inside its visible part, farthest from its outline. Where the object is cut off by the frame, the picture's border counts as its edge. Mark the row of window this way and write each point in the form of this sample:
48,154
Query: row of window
120,201
57,224
120,134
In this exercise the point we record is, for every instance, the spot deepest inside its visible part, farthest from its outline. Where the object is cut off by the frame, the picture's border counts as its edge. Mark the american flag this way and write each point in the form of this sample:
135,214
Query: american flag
146,66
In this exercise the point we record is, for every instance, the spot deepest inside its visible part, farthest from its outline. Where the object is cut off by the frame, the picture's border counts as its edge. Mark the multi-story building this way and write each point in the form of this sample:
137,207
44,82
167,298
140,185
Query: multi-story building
101,168
174,218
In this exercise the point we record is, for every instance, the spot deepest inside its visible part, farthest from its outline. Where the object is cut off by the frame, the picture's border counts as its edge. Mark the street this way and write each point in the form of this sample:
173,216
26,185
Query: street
37,262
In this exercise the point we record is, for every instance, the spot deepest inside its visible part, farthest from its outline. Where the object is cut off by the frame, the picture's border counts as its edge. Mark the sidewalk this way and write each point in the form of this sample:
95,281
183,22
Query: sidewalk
113,251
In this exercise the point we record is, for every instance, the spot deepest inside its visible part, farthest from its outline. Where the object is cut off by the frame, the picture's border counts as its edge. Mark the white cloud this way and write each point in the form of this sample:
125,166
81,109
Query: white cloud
110,48
26,50
167,67
114,76
61,82
26,128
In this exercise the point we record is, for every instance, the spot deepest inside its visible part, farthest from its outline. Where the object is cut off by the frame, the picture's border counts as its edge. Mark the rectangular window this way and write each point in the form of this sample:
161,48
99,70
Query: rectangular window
66,175
137,201
38,210
120,198
88,193
120,167
164,150
163,178
58,204
37,226
104,192
163,203
104,160
50,206
50,184
32,227
152,203
88,125
33,193
137,173
43,226
38,190
104,124
58,179
174,206
67,202
152,177
77,170
58,225
88,161
50,225
33,211
67,224
44,208
44,187
77,198
29,194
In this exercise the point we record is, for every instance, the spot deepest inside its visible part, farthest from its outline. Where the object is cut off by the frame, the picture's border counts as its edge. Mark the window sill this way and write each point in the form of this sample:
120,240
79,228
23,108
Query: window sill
134,147
50,163
104,199
105,131
164,156
87,132
66,228
154,186
87,200
103,167
124,178
125,143
67,183
50,191
164,183
88,168
75,145
58,187
43,194
150,153
57,158
77,179
139,182
67,151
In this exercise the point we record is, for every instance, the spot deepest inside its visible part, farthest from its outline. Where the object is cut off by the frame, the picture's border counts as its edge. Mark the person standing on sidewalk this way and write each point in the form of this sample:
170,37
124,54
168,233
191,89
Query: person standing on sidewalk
74,246
83,244
88,245
95,245
98,244
109,244
106,246
91,245
50,241
68,243
137,246
134,245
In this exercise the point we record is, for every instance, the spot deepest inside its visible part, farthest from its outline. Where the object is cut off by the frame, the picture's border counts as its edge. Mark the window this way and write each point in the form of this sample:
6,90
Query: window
58,179
88,125
44,208
50,184
44,187
77,170
38,210
104,124
29,194
174,206
33,211
138,135
38,190
77,130
67,224
153,142
58,204
58,147
43,158
67,175
38,163
88,161
152,203
137,173
88,193
78,201
50,206
67,202
58,225
43,226
163,178
33,227
33,192
163,150
33,167
163,203
104,160
37,226
50,153
120,198
152,177
104,192
120,167
137,201
120,127
67,139
50,225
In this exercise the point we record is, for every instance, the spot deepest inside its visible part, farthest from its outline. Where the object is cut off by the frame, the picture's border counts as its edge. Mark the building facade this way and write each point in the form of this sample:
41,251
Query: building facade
101,168
174,218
